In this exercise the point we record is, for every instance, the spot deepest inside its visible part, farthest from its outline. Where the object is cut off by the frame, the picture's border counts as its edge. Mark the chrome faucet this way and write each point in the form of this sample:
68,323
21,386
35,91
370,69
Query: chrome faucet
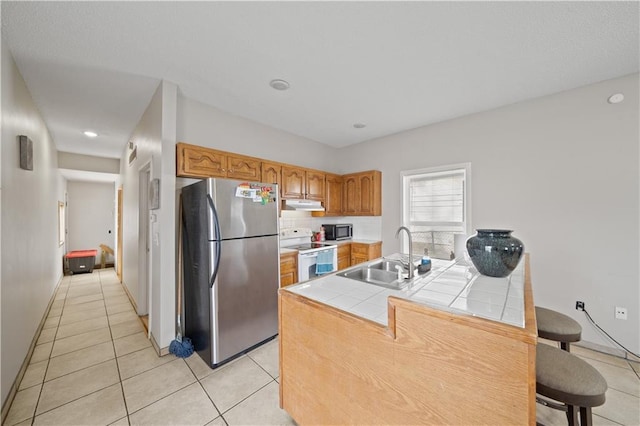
411,266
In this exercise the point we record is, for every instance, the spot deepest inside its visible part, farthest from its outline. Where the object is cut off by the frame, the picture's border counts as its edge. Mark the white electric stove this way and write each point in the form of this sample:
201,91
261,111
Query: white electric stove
308,251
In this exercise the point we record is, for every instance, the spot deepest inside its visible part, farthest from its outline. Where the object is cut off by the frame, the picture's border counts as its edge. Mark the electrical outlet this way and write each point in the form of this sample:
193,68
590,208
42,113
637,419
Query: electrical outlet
621,313
579,305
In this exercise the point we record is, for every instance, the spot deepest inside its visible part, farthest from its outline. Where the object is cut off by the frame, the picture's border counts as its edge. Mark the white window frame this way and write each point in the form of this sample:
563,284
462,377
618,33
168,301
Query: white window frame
408,175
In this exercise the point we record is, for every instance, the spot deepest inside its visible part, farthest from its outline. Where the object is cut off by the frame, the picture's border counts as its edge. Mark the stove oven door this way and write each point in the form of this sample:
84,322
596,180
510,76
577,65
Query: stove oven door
307,264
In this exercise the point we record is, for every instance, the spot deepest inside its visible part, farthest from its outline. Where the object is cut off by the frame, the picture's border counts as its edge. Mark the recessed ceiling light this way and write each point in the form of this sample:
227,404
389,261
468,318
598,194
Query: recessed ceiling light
616,98
90,134
279,84
359,125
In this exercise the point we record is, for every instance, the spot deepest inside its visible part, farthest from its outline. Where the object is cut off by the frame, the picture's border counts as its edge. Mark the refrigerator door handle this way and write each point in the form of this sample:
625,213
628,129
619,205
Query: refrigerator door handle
217,254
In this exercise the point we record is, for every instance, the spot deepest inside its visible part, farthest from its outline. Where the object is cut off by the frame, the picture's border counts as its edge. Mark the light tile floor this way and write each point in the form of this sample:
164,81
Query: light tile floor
93,364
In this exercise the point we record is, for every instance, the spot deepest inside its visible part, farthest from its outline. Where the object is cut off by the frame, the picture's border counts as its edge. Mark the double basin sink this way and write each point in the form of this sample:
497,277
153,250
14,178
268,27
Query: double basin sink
383,273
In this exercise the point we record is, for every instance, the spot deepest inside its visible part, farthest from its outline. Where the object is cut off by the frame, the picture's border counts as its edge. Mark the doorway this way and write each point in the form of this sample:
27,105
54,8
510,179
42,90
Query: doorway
144,246
119,236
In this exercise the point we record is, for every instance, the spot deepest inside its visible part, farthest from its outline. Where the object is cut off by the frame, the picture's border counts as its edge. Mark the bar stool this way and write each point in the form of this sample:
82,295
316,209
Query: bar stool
558,327
569,380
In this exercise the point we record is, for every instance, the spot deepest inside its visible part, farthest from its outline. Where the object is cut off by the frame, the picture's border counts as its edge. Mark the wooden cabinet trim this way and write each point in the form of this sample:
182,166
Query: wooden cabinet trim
353,194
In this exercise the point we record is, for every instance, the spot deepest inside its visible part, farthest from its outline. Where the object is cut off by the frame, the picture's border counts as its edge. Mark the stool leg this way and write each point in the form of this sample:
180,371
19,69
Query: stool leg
585,416
572,415
565,346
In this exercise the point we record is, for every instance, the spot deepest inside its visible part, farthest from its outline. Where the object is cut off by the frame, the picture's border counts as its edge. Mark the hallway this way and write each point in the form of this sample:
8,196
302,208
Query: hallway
93,364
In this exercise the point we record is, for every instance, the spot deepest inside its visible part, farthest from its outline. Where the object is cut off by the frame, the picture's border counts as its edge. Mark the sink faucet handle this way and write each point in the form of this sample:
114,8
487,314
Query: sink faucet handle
399,269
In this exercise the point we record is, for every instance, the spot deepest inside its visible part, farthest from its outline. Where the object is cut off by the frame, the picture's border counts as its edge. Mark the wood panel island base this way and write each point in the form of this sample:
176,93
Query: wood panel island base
427,366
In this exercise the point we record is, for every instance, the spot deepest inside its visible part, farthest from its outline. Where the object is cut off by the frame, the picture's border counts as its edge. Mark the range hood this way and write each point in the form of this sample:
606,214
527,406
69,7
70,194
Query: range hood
303,205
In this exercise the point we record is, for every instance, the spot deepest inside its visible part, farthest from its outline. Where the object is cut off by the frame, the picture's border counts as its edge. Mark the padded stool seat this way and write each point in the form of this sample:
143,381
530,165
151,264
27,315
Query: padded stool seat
566,378
558,327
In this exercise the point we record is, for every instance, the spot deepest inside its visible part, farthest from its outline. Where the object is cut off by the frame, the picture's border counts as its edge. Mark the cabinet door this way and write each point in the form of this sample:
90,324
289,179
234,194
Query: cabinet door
271,173
344,256
314,186
365,182
350,198
199,162
362,194
333,196
359,253
240,167
288,269
293,182
358,258
375,250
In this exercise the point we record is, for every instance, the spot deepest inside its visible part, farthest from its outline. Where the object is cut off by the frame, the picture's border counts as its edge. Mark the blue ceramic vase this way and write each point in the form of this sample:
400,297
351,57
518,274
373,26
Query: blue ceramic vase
494,252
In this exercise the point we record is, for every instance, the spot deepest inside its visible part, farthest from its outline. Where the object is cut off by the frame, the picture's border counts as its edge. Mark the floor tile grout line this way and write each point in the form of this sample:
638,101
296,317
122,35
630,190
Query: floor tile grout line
35,409
210,399
258,364
607,418
634,370
621,391
76,371
115,354
76,335
166,396
150,369
74,400
249,396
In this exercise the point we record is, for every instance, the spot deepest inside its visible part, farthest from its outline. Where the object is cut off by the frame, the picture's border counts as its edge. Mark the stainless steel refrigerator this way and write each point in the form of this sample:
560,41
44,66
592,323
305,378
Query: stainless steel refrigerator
231,266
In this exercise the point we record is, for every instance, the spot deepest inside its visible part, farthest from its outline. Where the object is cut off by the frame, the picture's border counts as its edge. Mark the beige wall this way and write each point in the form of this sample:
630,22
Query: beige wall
91,216
204,125
154,138
31,257
562,171
67,160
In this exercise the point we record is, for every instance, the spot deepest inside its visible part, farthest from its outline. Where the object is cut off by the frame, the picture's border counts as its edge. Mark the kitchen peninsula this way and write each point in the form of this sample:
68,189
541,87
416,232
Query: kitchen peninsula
454,347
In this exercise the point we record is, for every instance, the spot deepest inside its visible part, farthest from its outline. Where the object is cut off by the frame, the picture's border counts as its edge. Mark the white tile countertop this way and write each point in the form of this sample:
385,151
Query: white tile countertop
454,286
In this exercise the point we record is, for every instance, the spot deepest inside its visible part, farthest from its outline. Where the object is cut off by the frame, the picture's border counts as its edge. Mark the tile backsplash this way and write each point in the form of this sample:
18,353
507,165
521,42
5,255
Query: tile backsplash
296,219
364,227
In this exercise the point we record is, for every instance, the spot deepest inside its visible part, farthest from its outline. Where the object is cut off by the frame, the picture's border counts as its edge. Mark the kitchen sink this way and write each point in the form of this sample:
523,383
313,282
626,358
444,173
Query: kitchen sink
388,265
382,273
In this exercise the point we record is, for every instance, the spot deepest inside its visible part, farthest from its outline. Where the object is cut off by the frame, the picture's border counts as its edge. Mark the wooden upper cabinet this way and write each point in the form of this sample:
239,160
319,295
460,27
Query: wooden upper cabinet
299,183
333,195
199,162
314,188
245,168
272,173
351,195
293,182
362,194
366,194
355,194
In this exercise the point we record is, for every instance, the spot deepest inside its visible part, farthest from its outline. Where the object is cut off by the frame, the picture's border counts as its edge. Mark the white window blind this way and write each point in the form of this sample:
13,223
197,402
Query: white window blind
435,208
437,199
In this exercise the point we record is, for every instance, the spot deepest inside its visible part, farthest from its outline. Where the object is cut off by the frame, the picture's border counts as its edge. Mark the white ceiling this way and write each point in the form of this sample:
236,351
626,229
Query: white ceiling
391,65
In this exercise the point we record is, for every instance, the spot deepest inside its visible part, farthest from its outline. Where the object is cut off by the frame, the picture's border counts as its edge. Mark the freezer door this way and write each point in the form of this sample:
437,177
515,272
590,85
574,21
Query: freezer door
198,262
244,296
240,217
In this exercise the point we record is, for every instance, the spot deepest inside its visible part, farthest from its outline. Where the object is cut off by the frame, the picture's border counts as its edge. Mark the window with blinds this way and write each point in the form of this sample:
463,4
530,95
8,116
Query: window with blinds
435,207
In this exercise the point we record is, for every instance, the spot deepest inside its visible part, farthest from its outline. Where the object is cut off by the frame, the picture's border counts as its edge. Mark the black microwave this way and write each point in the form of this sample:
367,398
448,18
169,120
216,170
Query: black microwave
339,231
